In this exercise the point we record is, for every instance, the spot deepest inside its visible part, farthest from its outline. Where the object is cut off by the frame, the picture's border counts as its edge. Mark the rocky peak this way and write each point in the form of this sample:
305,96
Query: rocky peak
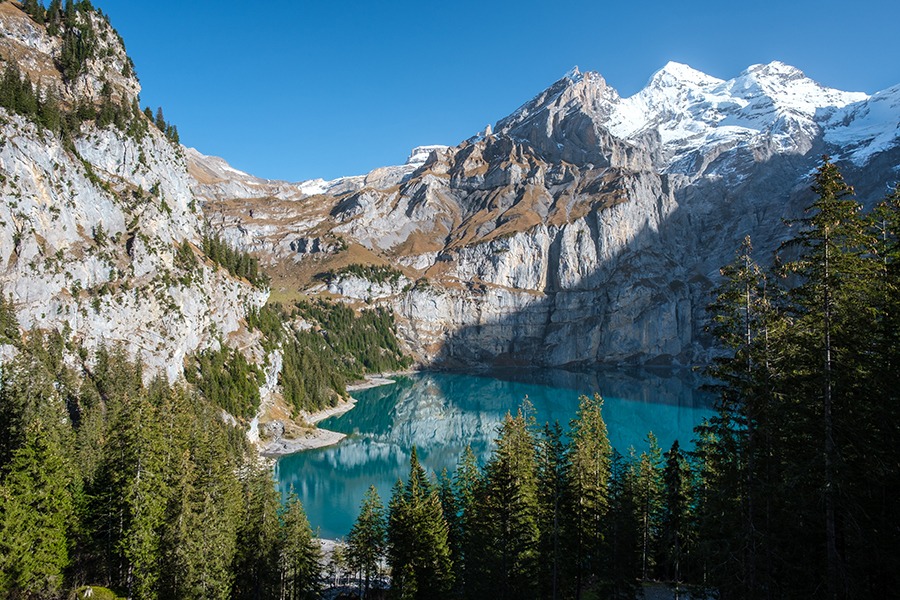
39,54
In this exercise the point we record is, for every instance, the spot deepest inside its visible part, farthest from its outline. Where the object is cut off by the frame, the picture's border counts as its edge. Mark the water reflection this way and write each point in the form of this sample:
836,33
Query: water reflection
441,413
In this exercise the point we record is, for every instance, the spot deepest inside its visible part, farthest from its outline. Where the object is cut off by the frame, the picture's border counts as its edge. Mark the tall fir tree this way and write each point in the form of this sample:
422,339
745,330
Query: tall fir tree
418,549
367,539
36,508
507,517
587,499
300,556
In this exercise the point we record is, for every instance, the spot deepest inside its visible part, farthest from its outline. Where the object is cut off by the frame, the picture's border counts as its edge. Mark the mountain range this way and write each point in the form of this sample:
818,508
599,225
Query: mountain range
583,228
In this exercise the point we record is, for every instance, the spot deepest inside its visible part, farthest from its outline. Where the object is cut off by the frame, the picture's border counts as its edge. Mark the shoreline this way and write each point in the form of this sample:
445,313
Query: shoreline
314,437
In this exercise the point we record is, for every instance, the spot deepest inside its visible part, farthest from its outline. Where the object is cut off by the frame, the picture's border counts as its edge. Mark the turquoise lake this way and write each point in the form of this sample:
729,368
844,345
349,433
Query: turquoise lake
441,413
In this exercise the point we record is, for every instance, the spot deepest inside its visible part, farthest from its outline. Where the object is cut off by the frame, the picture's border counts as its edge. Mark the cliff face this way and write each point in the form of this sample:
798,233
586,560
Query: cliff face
584,227
99,229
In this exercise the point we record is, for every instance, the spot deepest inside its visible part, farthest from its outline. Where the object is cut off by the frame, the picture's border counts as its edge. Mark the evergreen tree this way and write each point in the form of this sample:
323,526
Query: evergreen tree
553,466
676,535
832,273
300,556
649,490
256,569
128,498
587,494
467,484
36,507
366,541
418,550
622,532
507,512
200,533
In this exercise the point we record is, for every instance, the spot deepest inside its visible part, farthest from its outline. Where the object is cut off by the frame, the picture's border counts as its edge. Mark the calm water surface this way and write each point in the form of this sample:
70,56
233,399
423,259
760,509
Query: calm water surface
441,413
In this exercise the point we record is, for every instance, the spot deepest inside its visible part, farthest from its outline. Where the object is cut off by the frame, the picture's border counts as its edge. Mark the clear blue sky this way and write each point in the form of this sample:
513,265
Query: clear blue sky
298,89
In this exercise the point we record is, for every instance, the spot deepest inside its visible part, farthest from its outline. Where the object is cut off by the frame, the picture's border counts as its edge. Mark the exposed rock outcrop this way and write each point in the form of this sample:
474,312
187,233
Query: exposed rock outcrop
100,232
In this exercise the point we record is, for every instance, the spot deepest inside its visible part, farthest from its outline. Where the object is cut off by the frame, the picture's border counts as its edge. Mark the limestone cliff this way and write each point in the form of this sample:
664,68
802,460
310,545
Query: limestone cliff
99,228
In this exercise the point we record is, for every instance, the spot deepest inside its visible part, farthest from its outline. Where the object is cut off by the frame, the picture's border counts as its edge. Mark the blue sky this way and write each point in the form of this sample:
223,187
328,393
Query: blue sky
297,89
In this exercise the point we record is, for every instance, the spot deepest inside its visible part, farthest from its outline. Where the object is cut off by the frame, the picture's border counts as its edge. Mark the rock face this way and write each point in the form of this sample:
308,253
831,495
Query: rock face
584,227
99,234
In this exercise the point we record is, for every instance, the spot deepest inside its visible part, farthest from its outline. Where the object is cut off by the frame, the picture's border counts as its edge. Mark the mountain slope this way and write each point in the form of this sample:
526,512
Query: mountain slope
99,229
584,227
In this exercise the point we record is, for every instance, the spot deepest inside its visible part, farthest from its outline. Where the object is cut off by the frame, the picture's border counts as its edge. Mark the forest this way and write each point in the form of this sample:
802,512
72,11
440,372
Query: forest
791,491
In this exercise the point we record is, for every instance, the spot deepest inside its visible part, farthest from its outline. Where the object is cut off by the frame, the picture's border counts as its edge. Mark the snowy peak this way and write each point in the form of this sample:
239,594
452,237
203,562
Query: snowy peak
864,128
675,74
574,75
768,109
788,89
419,155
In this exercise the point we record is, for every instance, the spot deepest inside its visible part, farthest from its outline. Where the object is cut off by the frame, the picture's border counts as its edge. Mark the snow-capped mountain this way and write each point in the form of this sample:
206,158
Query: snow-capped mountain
683,113
584,227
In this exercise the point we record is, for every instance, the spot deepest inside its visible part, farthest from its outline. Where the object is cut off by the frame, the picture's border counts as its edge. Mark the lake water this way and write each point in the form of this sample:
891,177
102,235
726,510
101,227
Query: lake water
441,413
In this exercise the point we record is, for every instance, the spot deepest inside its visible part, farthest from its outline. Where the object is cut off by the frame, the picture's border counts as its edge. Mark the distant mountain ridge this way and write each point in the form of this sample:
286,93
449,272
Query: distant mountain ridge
584,227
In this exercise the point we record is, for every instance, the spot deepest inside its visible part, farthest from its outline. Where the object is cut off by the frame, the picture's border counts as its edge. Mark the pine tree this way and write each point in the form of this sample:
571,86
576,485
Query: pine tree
832,272
622,532
129,497
676,535
36,508
587,495
508,517
256,569
467,483
649,489
300,556
367,539
200,534
552,468
418,550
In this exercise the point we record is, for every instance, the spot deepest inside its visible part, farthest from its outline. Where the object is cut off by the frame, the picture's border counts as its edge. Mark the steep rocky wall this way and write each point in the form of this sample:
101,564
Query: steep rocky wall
99,229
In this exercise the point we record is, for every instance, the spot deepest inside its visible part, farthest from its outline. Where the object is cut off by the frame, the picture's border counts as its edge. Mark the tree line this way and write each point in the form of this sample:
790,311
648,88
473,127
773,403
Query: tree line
238,263
552,514
326,345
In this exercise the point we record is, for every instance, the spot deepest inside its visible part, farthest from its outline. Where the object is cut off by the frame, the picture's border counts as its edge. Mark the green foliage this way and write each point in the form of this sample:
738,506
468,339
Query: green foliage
373,273
19,95
168,129
36,506
227,379
239,264
256,561
332,346
586,492
506,548
367,539
9,324
143,489
418,548
793,472
367,339
300,558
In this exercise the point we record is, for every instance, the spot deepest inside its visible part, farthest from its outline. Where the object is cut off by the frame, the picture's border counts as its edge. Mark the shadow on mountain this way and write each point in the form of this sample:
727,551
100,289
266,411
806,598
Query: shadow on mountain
647,306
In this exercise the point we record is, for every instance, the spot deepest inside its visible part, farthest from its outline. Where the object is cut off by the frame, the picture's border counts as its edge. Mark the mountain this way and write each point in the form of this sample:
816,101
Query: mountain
100,233
582,228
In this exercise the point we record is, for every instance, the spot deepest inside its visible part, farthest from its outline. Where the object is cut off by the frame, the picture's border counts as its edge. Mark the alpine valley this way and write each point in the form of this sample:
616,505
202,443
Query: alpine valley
168,322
